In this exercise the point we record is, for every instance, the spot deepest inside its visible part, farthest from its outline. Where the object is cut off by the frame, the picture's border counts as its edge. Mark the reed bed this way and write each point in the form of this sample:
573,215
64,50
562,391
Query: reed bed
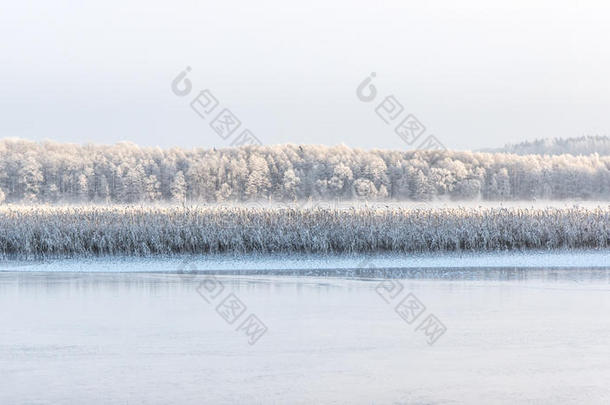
148,230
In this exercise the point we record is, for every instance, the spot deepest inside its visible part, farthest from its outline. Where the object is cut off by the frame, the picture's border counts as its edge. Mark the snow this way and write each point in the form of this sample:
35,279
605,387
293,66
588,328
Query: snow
328,264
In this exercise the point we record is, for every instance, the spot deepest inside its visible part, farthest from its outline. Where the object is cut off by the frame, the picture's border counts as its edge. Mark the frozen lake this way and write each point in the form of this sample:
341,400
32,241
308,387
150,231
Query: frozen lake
505,336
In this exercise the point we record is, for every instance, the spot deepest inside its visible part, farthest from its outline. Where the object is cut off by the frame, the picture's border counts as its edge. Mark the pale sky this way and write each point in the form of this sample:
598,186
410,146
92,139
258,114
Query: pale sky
475,73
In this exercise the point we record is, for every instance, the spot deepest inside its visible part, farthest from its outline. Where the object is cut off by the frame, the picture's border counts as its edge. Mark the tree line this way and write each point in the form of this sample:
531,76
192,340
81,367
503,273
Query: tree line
50,172
584,145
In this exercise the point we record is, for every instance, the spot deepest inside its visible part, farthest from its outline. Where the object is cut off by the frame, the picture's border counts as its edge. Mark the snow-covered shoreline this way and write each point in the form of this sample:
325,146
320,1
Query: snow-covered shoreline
297,263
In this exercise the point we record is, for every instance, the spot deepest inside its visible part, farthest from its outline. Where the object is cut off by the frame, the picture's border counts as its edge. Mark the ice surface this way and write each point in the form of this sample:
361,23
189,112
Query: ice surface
151,338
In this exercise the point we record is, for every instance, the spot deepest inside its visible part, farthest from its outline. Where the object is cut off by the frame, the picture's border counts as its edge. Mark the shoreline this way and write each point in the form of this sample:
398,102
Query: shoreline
270,264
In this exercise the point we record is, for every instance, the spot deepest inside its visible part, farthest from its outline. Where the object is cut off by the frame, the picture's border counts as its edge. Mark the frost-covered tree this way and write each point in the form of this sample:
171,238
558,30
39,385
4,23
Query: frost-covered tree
364,189
30,177
51,193
103,192
467,189
258,181
152,188
178,188
82,188
290,183
126,173
584,145
224,194
134,185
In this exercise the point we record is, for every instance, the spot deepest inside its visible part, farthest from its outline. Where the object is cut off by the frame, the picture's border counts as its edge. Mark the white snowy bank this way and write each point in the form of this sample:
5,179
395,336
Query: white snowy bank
305,263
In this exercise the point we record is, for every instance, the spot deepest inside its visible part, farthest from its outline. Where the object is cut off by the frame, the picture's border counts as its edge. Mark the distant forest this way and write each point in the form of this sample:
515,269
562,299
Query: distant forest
584,145
125,173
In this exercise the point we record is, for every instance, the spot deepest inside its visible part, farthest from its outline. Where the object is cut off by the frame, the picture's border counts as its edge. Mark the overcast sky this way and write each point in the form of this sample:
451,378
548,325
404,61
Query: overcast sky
475,73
